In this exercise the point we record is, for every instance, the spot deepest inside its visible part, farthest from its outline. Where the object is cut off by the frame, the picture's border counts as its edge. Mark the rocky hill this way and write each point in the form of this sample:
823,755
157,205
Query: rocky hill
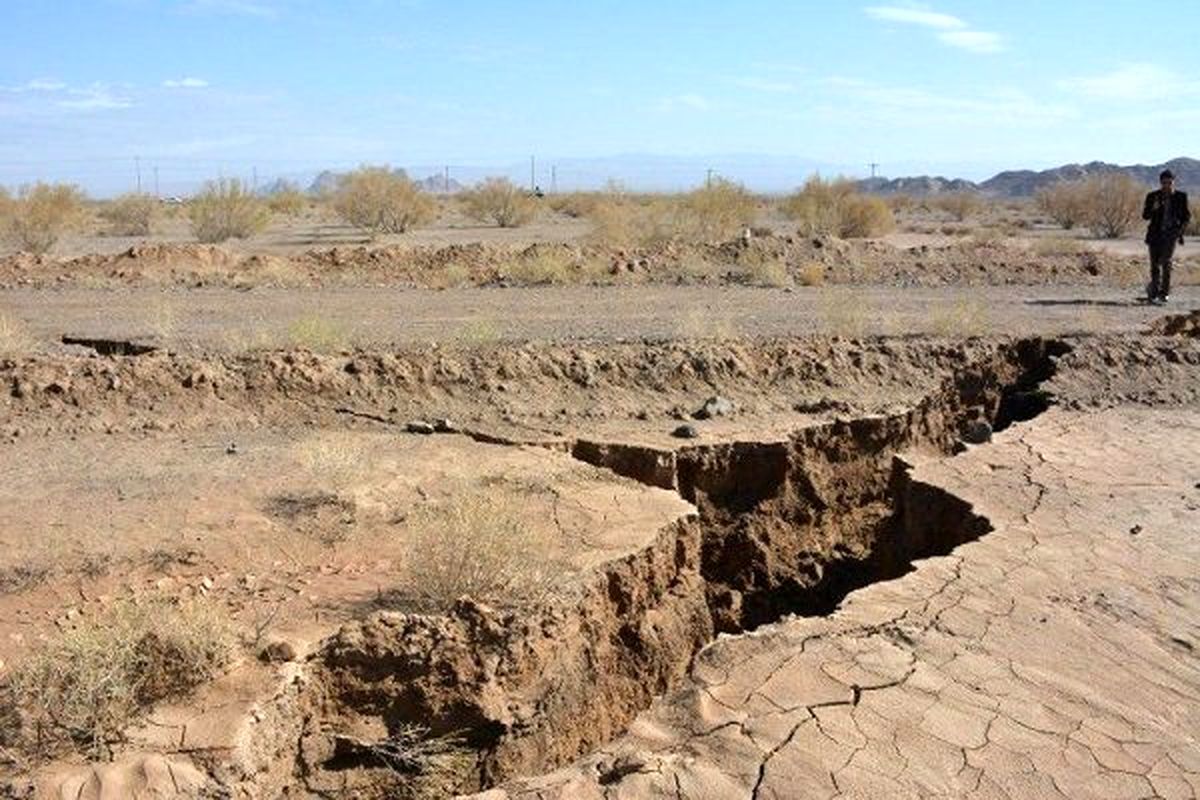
1024,183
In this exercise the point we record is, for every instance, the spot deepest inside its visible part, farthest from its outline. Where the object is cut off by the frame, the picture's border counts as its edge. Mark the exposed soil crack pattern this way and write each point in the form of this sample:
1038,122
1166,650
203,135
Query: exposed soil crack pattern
783,528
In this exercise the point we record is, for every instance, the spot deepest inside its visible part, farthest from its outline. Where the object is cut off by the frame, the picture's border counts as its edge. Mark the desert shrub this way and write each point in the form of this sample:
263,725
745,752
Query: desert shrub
900,203
1193,228
224,209
575,204
38,215
14,338
498,200
481,545
288,200
962,318
959,205
130,214
1064,202
1113,204
86,685
720,210
622,222
1059,246
764,269
811,274
379,200
317,333
835,208
863,216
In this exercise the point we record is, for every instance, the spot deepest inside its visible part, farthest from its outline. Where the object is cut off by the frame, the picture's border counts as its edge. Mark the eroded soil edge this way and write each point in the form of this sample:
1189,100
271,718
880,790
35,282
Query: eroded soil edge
784,527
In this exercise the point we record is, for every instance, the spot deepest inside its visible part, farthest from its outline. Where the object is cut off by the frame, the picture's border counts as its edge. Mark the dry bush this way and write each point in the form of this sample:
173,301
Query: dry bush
288,200
843,313
318,334
1114,204
1064,202
959,205
900,203
130,214
224,210
765,270
498,200
811,274
720,210
1193,228
15,339
86,685
864,216
38,215
379,200
835,208
576,204
963,318
480,544
1059,246
625,222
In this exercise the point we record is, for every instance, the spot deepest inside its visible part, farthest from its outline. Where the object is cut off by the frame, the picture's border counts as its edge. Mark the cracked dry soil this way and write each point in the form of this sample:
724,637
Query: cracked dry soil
880,645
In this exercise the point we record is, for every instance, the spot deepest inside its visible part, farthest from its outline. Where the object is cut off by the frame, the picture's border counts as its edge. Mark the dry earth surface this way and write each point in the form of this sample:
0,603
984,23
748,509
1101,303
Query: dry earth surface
735,542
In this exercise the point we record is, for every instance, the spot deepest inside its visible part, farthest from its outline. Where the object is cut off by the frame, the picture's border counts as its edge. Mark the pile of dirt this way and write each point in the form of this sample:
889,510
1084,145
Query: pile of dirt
1178,325
768,258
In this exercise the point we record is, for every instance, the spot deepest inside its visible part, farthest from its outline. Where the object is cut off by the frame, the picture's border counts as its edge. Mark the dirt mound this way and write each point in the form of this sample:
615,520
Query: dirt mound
1178,325
771,259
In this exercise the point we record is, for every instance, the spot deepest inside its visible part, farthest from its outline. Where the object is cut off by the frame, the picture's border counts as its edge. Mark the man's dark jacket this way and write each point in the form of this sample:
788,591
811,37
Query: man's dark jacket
1180,216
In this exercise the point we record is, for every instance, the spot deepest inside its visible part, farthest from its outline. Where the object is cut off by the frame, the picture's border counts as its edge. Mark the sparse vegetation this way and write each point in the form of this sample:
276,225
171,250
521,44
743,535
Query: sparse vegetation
720,210
381,200
963,318
86,685
959,205
1059,246
498,200
37,216
811,274
14,337
317,334
479,544
843,313
131,214
1066,203
287,200
764,269
835,208
225,210
1114,204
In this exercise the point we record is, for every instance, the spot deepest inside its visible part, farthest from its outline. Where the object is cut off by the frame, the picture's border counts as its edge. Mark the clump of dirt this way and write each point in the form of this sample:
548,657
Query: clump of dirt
1178,325
792,258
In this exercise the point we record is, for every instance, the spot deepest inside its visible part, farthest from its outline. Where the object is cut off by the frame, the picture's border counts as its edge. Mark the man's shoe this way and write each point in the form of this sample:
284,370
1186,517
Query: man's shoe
1163,298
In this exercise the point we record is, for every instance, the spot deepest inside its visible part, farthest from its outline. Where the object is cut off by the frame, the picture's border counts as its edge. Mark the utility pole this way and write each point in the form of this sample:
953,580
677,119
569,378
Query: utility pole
446,179
708,178
873,165
254,180
553,179
137,166
532,183
156,193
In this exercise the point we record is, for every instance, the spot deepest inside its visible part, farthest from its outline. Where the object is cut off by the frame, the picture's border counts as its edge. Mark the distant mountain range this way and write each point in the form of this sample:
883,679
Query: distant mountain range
1025,182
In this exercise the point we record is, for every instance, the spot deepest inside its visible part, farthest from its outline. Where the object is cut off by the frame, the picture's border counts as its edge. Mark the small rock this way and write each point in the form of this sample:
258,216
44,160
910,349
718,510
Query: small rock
420,426
1135,530
977,432
686,431
231,449
444,425
716,406
278,652
206,583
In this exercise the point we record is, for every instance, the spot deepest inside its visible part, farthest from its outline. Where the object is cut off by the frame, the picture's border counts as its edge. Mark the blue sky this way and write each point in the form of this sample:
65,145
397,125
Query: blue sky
199,88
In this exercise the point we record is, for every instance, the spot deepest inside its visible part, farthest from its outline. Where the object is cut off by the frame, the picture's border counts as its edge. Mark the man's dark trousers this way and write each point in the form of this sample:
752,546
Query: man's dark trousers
1162,250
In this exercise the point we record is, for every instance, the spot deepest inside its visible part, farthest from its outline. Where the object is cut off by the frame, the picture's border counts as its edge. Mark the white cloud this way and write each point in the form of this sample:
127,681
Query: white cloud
951,30
689,100
44,85
1132,82
916,106
763,85
95,98
185,83
974,41
915,16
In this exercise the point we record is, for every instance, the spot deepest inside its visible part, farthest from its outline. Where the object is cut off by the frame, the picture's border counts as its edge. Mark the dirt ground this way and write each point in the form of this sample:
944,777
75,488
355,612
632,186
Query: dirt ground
789,541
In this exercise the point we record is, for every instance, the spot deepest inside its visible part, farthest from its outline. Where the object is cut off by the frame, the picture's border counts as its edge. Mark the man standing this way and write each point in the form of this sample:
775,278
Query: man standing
1167,211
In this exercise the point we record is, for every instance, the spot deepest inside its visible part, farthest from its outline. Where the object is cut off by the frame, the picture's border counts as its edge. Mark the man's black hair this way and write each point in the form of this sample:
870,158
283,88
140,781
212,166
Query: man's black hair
1166,173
